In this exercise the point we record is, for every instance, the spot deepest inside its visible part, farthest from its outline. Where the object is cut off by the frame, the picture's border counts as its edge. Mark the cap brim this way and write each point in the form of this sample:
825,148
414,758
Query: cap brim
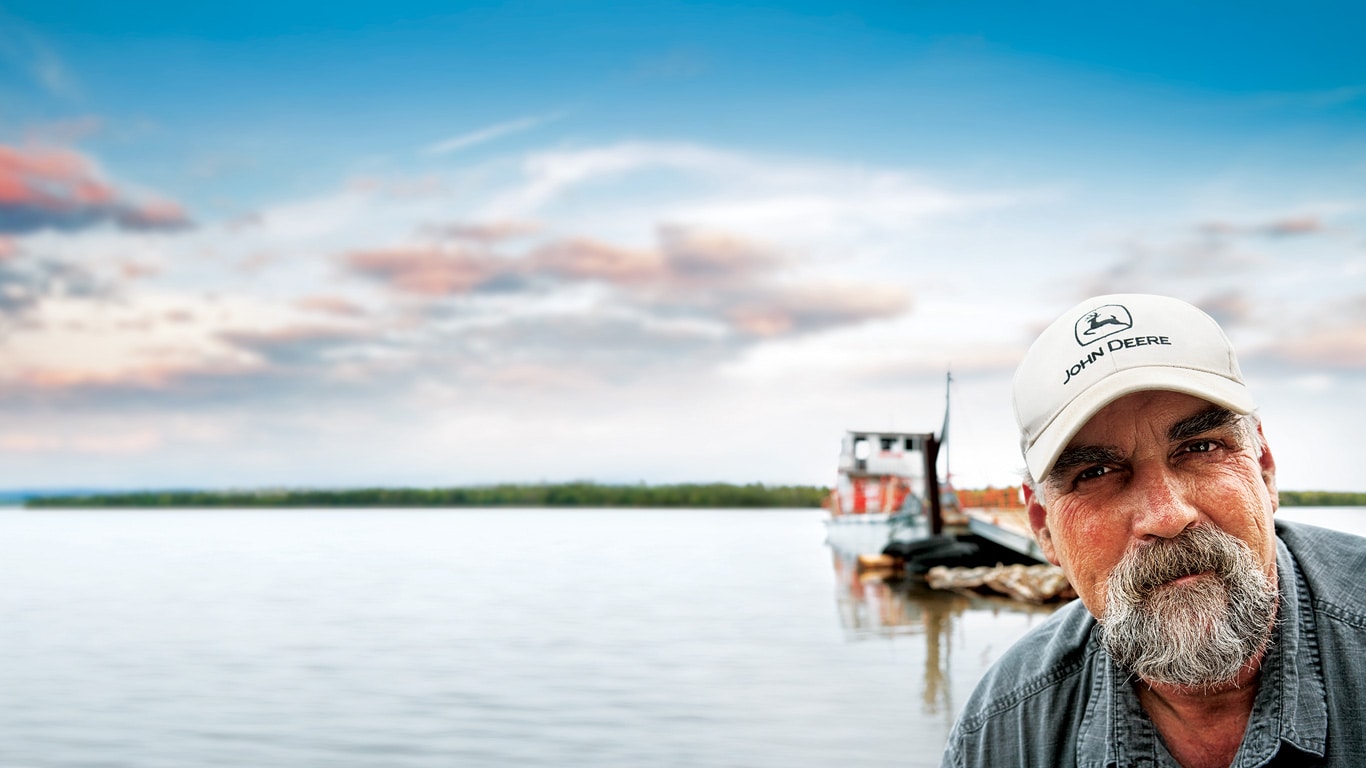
1217,389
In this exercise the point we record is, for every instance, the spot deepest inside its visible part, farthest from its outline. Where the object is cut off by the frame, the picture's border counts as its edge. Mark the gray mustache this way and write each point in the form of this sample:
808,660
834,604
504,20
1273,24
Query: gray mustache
1199,549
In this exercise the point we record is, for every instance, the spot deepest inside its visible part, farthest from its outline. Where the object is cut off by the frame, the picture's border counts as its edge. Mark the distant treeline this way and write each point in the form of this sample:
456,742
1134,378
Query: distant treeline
584,494
710,495
1323,499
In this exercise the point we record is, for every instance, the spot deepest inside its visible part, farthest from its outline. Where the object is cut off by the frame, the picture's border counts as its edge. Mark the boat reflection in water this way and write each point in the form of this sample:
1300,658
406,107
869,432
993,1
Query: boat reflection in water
962,632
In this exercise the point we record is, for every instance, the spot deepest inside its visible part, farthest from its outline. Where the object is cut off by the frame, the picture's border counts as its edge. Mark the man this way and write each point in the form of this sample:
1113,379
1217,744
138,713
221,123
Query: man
1206,634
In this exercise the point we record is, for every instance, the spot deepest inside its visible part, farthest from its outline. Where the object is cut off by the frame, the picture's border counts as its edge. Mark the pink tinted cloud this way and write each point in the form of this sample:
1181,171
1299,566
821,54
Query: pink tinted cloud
804,308
488,232
684,259
48,176
584,259
695,255
689,272
1229,308
762,321
154,214
295,348
290,334
329,305
1288,226
301,348
1332,338
121,443
1341,349
62,189
136,270
147,376
1300,225
1335,340
427,271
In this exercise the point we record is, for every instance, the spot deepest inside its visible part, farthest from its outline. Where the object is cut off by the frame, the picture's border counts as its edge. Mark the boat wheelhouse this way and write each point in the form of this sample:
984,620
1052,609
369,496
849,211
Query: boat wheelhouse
882,474
887,488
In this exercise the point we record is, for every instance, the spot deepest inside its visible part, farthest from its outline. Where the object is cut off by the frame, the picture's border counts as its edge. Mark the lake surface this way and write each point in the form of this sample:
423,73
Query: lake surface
474,638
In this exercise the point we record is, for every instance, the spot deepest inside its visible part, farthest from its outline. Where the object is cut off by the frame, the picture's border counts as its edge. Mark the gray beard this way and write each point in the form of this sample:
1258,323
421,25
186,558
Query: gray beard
1194,635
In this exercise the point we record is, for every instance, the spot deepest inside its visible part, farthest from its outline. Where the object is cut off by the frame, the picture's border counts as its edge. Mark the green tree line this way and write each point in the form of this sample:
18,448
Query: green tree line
1323,499
581,494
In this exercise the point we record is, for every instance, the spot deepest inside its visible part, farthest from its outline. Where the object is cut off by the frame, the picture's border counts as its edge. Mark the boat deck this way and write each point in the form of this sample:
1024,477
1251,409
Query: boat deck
1007,526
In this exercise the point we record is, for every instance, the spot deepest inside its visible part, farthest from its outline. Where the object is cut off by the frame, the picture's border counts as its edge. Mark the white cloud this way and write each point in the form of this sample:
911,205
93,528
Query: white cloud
635,186
641,275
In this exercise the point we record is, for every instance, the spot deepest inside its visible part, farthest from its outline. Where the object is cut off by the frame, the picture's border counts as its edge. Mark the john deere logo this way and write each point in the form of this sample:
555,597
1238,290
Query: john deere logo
1102,322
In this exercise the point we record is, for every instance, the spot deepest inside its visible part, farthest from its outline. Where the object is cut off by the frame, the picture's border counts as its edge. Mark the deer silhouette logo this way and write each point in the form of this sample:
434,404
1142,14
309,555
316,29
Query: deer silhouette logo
1103,322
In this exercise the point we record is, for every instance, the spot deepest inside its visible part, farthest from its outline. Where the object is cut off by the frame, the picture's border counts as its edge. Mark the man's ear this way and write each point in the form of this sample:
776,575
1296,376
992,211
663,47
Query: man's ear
1268,464
1038,522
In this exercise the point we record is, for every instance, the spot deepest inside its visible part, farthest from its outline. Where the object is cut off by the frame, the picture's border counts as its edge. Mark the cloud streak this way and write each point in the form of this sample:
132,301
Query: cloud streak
702,185
429,272
474,138
60,189
708,276
1330,337
1287,226
32,54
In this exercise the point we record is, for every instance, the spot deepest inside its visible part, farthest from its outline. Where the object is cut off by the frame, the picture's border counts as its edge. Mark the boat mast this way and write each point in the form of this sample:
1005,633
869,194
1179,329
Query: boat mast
944,430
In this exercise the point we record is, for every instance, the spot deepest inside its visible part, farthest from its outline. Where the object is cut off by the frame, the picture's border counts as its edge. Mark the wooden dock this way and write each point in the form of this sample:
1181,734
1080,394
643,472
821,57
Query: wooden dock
1006,527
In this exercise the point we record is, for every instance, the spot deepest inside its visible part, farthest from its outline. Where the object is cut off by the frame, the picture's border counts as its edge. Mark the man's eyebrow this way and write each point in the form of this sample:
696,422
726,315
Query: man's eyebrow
1074,457
1208,420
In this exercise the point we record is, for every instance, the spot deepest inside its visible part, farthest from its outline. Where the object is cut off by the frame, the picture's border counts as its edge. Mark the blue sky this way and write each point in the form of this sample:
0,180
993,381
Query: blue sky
400,244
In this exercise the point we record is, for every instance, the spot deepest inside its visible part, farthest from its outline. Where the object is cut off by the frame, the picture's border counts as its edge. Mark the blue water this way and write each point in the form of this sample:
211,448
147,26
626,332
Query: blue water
470,638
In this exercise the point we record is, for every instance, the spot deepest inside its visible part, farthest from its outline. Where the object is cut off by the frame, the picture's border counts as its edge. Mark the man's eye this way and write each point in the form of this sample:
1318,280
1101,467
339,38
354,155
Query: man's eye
1201,446
1091,473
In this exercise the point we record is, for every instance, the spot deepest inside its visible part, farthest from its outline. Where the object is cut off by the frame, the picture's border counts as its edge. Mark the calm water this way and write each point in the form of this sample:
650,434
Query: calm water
473,638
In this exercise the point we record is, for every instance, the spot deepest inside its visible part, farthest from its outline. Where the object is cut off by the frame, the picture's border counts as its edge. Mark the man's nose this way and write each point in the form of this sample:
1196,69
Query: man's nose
1163,508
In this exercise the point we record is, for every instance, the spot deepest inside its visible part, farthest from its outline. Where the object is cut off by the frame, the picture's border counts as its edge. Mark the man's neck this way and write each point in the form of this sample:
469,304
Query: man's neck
1203,727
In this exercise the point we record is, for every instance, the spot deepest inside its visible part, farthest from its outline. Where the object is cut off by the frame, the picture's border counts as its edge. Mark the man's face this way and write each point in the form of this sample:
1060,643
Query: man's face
1144,469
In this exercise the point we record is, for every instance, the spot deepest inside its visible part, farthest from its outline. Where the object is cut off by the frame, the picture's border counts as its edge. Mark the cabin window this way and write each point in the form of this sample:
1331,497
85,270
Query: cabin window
910,444
887,443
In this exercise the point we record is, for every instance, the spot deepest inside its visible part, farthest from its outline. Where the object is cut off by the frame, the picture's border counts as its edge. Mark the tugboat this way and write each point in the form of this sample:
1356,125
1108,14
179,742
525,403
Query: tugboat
890,506
888,489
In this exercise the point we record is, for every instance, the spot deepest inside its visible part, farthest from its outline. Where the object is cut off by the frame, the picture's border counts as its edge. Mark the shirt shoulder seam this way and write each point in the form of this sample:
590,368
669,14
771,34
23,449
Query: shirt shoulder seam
1068,667
1340,613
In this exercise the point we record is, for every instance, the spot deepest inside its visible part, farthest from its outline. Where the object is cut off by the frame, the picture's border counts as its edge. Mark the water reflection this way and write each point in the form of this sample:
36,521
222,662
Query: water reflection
873,607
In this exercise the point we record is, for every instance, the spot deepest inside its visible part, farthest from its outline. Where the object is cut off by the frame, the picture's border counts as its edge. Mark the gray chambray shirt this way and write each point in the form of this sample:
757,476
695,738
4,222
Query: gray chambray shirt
1056,698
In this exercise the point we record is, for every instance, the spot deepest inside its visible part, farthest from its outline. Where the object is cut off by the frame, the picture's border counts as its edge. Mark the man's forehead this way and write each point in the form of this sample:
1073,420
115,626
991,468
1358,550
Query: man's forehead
1146,411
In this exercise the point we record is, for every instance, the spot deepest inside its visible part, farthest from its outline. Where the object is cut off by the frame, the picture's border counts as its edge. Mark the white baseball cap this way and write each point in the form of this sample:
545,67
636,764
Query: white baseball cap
1110,346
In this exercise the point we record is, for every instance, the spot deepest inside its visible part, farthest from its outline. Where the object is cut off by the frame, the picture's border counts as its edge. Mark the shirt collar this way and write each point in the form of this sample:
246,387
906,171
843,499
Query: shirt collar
1291,705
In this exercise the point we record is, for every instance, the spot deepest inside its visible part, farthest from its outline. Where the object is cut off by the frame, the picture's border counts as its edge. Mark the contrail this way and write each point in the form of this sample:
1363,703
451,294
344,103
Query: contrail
466,140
